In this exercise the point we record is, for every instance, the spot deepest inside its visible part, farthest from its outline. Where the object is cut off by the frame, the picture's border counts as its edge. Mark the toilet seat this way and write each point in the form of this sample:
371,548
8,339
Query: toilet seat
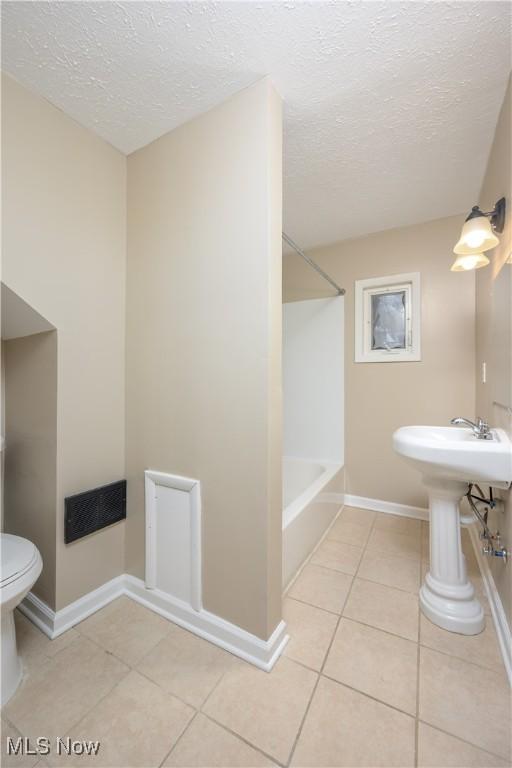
18,556
20,567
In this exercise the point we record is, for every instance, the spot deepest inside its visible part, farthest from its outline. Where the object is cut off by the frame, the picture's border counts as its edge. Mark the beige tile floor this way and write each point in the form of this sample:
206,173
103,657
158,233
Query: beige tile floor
364,681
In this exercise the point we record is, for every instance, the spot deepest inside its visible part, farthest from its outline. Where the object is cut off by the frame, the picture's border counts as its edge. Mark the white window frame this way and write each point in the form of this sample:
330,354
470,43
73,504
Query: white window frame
364,290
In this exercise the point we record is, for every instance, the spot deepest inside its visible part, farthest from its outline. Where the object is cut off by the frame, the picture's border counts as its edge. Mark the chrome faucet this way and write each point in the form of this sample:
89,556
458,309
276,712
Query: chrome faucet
480,429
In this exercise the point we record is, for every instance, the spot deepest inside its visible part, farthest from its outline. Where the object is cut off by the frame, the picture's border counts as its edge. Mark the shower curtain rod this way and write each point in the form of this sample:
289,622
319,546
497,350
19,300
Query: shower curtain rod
339,291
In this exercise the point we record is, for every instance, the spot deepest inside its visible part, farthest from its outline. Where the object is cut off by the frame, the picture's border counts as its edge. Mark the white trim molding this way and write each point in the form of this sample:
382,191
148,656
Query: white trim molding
152,481
230,637
54,623
390,507
409,285
39,614
498,612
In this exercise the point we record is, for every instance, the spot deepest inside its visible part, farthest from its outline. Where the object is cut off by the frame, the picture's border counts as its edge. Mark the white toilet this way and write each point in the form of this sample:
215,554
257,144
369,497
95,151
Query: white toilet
20,566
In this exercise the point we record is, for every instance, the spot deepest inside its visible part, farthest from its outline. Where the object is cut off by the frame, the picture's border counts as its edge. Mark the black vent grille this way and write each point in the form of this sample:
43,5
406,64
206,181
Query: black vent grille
92,510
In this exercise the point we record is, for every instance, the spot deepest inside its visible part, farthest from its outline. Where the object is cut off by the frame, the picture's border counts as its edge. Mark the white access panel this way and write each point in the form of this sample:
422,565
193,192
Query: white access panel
173,536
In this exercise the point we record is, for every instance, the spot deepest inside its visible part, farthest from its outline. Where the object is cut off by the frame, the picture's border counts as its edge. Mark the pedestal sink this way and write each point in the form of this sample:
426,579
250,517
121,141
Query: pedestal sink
449,458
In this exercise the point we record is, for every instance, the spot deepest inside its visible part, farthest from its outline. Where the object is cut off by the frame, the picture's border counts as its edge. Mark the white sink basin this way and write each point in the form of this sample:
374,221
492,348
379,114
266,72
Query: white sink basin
449,458
456,453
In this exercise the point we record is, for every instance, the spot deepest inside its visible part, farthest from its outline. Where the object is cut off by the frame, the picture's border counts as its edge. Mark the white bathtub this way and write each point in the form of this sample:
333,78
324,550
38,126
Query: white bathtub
311,500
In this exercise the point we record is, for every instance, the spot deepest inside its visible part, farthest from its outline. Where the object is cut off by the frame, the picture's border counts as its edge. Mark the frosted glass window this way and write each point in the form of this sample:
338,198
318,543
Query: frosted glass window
388,320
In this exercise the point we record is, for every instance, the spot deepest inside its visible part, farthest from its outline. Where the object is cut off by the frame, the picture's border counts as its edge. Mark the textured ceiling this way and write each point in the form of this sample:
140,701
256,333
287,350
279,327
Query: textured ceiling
390,107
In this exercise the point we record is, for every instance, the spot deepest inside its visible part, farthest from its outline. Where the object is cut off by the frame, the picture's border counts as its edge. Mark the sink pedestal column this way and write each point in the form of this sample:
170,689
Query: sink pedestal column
447,597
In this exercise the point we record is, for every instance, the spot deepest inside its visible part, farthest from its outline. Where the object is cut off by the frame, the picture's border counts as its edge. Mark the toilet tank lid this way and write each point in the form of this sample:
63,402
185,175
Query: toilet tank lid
16,555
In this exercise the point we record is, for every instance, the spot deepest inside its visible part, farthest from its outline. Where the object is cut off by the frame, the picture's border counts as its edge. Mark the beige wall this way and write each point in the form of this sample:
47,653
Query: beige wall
203,343
380,397
64,237
31,459
494,328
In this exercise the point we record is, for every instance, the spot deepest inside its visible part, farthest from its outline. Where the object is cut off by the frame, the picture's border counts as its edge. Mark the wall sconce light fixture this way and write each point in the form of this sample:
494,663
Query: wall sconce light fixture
478,235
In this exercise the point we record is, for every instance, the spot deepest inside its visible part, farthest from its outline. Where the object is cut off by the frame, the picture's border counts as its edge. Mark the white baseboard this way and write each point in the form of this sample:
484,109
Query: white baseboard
230,637
498,612
39,614
54,623
261,653
390,507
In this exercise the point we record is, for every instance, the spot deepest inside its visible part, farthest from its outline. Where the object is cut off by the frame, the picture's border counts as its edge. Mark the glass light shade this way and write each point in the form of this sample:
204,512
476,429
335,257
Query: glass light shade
476,236
473,261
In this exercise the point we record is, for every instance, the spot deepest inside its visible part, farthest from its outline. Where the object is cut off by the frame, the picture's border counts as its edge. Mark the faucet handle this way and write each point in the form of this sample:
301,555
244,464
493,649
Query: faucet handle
484,431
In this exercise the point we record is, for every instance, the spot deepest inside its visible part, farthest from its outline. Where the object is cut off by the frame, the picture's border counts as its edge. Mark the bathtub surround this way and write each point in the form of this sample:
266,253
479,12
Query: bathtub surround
204,344
494,335
381,397
63,243
313,425
313,396
312,497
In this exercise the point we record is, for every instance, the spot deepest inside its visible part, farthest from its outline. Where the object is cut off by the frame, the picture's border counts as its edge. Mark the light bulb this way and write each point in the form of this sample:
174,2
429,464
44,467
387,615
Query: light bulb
466,263
475,239
469,262
476,236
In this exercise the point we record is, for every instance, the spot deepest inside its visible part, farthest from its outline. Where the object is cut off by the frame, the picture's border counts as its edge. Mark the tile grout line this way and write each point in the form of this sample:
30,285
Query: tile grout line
168,693
260,751
102,698
307,560
368,695
202,711
420,561
451,656
115,685
463,741
130,669
342,615
388,553
329,568
378,629
326,656
483,667
225,727
312,605
319,676
400,589
184,731
133,668
351,687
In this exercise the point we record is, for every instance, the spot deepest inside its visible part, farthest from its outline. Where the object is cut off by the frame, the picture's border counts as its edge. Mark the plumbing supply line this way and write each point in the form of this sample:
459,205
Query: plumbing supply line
481,518
490,537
